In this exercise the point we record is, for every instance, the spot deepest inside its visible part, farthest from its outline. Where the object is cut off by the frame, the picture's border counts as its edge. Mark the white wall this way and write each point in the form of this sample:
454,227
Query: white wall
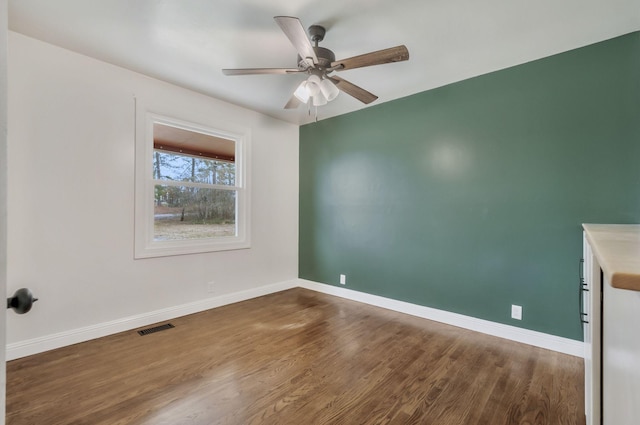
71,198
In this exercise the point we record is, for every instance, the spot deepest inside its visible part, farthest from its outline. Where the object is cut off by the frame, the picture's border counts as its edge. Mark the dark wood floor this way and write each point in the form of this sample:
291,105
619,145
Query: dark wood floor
297,357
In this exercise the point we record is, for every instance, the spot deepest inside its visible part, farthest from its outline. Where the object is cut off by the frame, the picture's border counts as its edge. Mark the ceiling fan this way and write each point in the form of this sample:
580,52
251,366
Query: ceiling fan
320,63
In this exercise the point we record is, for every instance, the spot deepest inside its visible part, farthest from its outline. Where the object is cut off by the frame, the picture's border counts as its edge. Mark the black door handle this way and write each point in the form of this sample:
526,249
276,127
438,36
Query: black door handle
22,301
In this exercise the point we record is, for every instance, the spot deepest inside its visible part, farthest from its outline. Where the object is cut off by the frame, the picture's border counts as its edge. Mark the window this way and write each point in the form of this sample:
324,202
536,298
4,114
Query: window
191,187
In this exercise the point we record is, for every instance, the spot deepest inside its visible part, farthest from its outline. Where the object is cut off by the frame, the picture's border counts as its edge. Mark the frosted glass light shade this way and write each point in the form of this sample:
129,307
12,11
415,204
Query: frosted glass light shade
302,92
313,85
319,100
328,89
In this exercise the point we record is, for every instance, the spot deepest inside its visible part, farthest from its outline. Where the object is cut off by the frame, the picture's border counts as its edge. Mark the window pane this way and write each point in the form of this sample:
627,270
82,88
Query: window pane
170,166
193,213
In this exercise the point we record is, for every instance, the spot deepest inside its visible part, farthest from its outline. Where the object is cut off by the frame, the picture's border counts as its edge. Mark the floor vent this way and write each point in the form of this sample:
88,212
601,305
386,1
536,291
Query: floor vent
155,329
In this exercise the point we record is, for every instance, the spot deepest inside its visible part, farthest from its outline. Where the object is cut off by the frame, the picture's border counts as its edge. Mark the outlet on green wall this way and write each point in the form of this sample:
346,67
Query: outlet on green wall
470,197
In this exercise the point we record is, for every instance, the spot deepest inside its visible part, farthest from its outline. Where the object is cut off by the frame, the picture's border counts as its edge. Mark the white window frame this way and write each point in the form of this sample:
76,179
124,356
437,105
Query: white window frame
144,245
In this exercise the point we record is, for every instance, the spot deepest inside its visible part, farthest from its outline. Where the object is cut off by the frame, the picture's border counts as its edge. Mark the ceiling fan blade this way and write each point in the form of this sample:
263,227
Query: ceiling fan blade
293,29
351,89
256,71
392,54
293,103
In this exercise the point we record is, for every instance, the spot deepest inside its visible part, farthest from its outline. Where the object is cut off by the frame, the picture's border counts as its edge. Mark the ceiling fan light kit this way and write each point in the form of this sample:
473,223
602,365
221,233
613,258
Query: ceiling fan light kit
322,87
319,90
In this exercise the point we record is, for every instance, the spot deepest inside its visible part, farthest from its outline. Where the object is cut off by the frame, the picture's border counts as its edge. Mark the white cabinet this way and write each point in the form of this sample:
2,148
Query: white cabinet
620,356
591,285
611,306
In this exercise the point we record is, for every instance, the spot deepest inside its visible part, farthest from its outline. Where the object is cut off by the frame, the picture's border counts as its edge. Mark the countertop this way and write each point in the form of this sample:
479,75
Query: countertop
617,248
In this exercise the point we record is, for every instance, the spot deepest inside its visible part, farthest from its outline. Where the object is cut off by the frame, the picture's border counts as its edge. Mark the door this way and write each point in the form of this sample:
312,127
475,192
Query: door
3,194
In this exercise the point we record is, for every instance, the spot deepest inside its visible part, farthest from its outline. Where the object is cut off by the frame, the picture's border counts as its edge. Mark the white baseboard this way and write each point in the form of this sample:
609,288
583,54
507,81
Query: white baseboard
537,339
49,342
74,336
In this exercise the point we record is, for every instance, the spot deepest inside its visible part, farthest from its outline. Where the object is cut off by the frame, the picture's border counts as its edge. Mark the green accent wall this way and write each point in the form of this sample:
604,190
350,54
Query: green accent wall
470,197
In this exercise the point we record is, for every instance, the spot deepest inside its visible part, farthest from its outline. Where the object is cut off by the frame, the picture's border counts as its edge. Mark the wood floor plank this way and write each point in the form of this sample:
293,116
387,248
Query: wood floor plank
297,357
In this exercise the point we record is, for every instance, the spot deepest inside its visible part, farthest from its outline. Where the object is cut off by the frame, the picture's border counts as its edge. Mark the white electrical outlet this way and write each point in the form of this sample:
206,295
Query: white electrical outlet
516,312
211,287
343,279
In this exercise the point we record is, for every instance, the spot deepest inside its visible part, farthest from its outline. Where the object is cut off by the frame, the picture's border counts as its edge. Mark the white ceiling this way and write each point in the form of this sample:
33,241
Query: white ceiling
188,42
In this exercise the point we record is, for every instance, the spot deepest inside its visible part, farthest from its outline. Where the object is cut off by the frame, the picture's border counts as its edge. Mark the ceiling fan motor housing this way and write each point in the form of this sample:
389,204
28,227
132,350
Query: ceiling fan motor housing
325,58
